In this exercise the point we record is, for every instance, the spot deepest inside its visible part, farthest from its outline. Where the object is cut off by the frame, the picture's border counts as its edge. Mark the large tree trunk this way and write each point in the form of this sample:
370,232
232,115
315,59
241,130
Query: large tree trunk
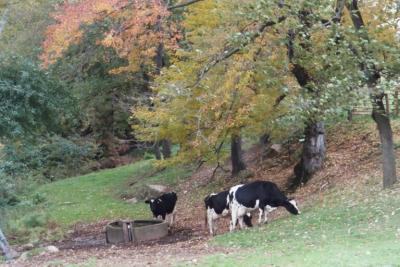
160,63
5,247
237,155
166,149
378,109
385,133
313,155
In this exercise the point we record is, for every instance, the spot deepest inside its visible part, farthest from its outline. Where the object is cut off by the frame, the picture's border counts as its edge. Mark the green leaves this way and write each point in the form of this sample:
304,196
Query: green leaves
30,100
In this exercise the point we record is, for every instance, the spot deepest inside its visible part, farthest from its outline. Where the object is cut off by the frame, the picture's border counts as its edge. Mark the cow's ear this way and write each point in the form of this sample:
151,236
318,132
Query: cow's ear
147,201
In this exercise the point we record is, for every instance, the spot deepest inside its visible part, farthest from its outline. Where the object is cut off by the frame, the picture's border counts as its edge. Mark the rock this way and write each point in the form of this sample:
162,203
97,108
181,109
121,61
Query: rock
14,254
273,151
27,246
132,200
150,191
24,256
157,187
52,249
277,148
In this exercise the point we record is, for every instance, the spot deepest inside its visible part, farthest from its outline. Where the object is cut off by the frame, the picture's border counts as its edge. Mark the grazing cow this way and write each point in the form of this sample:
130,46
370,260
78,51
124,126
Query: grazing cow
217,205
164,206
261,195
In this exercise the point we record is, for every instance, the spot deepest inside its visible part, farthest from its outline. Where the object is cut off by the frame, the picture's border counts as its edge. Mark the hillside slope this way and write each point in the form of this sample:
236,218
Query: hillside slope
344,213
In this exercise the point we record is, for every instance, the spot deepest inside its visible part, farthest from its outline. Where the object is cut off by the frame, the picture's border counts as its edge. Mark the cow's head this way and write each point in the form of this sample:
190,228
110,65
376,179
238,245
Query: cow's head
291,206
208,200
154,203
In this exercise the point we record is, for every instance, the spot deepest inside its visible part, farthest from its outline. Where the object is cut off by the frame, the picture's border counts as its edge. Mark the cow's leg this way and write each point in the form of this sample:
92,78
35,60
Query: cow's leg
173,217
210,222
234,217
241,222
168,219
261,211
214,225
265,215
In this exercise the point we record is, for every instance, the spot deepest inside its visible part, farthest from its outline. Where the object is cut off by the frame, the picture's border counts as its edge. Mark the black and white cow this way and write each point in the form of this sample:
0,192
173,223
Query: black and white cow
262,195
164,206
217,205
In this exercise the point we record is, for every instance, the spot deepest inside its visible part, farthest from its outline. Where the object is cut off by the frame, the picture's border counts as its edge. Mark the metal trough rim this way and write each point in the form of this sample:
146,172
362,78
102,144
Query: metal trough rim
121,231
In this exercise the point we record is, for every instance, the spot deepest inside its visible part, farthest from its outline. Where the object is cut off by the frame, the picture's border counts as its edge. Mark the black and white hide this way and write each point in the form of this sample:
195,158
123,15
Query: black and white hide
164,206
262,195
217,206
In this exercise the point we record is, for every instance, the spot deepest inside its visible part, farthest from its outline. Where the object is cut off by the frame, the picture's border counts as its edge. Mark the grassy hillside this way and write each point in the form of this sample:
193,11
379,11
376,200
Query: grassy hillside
346,228
347,219
86,199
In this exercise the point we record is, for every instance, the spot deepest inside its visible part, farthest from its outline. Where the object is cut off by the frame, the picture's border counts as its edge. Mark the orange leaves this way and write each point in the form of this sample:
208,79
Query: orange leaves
140,27
66,30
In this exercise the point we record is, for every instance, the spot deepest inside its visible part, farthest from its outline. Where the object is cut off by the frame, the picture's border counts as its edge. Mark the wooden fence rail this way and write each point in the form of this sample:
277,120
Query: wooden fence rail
391,105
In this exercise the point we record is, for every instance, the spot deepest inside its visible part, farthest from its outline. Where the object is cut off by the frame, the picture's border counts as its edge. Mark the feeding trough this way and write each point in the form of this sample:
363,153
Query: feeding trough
135,231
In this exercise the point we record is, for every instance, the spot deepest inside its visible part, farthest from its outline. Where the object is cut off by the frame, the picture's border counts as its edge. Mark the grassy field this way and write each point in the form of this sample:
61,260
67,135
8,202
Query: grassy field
344,229
86,199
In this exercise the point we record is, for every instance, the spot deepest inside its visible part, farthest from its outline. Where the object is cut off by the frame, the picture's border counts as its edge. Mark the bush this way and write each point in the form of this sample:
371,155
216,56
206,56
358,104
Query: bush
8,194
24,165
35,220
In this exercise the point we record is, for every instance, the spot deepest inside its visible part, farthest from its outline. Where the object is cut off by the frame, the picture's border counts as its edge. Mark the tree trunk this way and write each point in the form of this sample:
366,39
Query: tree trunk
166,149
350,115
265,139
157,151
378,109
313,155
265,143
5,247
237,155
385,133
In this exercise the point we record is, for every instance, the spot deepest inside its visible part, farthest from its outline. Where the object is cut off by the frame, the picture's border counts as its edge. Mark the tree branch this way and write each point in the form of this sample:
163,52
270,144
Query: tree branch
184,4
228,52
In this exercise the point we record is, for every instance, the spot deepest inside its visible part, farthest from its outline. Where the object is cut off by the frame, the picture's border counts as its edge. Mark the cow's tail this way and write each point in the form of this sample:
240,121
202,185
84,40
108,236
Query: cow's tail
205,219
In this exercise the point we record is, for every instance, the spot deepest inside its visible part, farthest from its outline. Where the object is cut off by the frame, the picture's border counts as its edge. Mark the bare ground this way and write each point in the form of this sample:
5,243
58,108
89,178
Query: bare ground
351,159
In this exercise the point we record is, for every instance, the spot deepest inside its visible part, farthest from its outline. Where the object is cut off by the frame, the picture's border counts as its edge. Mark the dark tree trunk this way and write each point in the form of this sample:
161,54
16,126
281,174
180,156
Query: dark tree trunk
378,109
313,153
5,247
166,149
265,143
237,155
314,148
157,151
350,115
265,139
385,133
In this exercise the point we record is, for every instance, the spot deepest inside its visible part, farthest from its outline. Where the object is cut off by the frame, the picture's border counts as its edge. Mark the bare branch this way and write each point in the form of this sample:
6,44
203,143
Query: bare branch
184,4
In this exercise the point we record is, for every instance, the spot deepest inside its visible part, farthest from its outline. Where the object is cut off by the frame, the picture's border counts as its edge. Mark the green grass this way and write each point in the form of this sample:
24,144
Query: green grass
88,199
346,229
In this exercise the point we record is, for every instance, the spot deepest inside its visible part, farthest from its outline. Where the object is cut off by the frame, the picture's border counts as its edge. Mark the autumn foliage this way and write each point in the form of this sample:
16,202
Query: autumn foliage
139,28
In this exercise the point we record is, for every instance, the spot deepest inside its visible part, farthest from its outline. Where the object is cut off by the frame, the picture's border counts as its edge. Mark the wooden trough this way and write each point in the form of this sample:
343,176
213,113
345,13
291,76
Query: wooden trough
135,231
